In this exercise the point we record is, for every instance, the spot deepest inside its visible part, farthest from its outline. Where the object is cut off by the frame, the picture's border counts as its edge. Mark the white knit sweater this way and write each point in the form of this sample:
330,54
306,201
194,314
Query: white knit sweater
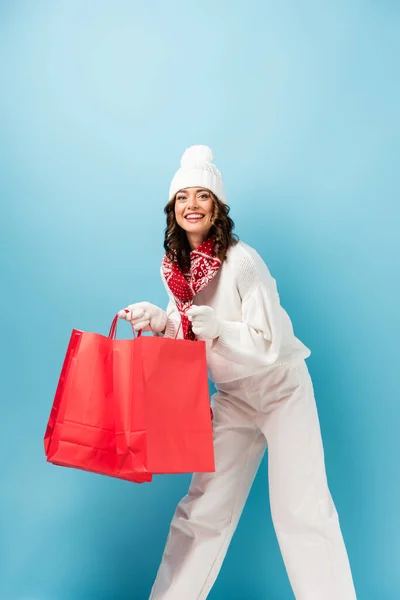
256,330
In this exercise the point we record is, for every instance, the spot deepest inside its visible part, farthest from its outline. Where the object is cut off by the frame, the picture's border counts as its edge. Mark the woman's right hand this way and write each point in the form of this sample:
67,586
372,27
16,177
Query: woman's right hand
145,317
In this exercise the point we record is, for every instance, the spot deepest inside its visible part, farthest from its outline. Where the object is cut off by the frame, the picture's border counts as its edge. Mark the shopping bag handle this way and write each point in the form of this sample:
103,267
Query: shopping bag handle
177,331
113,329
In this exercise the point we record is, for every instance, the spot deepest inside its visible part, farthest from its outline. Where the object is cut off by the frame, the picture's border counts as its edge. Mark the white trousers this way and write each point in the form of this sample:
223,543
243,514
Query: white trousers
275,408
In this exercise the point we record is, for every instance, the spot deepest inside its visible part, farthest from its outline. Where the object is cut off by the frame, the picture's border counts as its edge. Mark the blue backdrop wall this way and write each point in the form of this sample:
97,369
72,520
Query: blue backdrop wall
299,102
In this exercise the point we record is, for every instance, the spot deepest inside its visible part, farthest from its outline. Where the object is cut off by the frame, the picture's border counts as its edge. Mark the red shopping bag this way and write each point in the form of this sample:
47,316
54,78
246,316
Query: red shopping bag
131,408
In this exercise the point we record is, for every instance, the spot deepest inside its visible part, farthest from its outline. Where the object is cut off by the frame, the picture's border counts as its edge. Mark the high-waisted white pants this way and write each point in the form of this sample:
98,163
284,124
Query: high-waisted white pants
276,408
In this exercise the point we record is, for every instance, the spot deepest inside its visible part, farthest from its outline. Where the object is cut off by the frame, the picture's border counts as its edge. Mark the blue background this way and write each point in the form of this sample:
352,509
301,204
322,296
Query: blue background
299,102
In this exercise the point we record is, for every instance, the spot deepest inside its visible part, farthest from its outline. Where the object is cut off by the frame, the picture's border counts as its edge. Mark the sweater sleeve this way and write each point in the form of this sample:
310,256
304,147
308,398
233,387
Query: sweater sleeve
173,321
256,339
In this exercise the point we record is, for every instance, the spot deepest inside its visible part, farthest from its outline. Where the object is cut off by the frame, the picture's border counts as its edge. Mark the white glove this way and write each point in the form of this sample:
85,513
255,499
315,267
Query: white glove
204,321
145,316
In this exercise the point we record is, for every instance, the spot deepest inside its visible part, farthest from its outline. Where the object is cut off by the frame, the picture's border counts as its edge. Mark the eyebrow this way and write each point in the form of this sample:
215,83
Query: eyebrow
197,192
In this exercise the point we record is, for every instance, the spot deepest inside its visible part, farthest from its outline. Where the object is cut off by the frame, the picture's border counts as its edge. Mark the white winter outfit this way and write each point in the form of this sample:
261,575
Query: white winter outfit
256,330
264,397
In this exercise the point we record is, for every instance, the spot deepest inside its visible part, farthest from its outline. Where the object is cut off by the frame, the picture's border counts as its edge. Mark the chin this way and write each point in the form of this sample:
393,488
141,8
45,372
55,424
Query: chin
197,230
193,228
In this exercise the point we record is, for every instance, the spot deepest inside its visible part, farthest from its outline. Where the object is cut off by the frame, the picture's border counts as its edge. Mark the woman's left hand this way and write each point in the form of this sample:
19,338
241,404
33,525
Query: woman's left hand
204,321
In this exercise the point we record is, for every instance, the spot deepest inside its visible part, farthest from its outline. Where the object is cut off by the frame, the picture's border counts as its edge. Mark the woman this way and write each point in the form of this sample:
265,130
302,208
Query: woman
220,291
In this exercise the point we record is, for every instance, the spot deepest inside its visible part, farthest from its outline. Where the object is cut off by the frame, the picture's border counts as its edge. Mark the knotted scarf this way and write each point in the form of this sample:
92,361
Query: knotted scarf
204,265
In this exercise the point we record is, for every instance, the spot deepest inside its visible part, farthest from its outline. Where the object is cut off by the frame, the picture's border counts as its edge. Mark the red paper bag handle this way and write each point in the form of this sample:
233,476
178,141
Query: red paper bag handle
177,331
113,329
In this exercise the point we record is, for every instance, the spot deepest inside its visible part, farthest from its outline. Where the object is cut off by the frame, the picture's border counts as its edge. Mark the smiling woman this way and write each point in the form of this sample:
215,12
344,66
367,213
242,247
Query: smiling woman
194,215
194,212
221,292
197,212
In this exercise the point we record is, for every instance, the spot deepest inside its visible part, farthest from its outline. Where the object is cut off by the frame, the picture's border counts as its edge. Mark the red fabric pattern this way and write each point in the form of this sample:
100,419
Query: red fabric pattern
204,265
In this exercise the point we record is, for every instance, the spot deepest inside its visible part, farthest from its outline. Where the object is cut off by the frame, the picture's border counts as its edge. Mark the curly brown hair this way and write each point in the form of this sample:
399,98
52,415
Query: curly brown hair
176,243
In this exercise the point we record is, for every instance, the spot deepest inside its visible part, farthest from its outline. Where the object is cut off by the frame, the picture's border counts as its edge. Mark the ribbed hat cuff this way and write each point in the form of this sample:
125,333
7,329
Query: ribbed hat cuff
185,178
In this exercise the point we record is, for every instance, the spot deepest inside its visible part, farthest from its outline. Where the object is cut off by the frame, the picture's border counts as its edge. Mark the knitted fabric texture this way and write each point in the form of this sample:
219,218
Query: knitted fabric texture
197,170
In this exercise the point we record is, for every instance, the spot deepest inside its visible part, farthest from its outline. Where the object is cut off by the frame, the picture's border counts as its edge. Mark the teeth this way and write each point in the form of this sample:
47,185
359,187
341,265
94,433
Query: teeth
194,217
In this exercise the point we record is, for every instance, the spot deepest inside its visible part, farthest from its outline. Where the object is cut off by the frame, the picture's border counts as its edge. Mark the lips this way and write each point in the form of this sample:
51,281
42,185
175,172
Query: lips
194,217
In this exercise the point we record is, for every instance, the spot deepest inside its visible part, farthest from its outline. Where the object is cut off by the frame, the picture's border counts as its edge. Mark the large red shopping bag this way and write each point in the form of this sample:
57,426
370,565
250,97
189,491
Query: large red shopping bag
130,408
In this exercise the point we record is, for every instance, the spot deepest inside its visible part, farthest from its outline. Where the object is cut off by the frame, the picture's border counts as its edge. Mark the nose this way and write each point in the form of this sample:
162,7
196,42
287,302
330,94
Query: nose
193,203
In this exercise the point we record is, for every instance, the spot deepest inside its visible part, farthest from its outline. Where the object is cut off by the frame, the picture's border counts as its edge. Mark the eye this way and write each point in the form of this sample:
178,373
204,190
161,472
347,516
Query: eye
203,196
181,198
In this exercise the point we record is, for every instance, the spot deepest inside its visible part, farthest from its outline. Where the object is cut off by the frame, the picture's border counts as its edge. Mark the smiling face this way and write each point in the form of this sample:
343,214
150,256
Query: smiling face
194,209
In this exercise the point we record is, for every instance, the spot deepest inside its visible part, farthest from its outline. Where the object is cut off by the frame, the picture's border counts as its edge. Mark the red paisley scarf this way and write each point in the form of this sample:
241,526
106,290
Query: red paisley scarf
204,265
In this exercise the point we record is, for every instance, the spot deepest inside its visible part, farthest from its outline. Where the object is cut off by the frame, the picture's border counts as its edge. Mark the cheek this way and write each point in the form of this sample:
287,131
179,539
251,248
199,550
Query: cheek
178,212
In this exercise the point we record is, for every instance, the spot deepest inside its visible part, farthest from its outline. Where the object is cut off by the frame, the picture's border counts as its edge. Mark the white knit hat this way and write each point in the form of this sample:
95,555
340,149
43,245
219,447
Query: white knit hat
197,170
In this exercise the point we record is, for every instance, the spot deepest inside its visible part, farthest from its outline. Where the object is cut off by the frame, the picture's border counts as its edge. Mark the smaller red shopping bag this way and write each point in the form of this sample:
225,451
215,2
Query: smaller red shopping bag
130,408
